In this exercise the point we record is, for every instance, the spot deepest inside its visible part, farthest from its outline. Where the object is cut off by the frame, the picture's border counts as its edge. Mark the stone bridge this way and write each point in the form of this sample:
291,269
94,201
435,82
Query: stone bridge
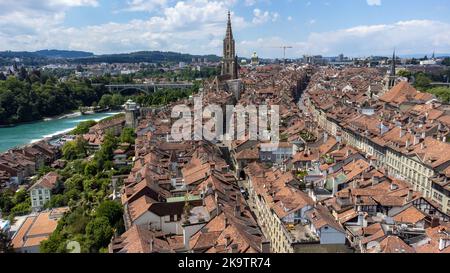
147,88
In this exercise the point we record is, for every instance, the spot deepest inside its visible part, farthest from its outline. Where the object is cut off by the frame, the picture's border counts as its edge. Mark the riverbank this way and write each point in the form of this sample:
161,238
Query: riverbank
63,116
24,134
74,113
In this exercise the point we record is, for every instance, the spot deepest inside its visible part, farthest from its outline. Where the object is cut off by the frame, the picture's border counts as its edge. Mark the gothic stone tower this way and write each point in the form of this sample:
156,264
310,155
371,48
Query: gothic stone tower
393,72
229,61
131,113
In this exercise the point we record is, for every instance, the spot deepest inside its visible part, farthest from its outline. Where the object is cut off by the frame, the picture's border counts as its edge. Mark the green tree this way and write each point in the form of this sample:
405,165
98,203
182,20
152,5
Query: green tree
75,149
56,201
405,73
128,135
443,93
105,101
54,244
423,82
117,100
100,232
111,210
6,201
20,196
22,208
5,243
90,169
83,127
446,61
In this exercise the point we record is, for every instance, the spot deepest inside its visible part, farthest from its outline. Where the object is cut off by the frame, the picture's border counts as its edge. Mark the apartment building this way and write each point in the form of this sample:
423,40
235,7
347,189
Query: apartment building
41,191
289,217
415,157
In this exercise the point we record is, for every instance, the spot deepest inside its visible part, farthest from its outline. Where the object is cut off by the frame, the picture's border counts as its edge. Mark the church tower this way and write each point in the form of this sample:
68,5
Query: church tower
229,61
393,73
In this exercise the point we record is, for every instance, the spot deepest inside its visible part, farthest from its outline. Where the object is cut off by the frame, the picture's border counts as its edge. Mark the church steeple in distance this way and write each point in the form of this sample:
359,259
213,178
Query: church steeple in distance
229,33
394,59
229,61
392,75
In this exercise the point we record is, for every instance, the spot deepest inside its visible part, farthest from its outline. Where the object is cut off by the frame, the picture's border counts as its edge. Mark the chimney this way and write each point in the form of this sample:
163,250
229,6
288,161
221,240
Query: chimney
358,200
409,197
335,186
237,209
209,188
356,184
443,243
416,140
361,219
228,239
375,180
402,132
218,209
393,187
234,248
151,243
265,246
407,143
435,222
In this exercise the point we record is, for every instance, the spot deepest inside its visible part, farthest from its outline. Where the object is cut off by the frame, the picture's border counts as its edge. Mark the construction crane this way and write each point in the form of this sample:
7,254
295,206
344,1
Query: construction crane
284,51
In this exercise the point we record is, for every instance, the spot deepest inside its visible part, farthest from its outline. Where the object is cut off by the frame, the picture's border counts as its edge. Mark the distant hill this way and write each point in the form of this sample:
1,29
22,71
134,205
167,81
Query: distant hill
61,54
146,57
43,57
64,54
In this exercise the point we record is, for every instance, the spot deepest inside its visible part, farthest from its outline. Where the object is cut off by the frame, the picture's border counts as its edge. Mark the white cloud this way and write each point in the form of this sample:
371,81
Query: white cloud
409,37
374,2
261,17
145,5
198,26
73,3
195,26
27,17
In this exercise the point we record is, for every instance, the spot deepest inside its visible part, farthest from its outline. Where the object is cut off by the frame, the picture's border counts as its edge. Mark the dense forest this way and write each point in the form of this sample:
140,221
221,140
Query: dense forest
33,95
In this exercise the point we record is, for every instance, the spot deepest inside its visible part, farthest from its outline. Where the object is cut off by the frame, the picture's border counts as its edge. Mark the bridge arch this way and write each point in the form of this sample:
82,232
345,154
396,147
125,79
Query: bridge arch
139,89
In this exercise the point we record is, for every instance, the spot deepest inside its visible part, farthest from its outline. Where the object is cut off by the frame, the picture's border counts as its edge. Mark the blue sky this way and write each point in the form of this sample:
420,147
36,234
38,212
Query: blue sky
327,27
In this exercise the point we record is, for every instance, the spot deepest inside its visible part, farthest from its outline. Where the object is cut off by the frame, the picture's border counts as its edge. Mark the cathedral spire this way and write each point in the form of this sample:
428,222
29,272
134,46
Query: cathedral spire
392,75
229,34
394,59
229,61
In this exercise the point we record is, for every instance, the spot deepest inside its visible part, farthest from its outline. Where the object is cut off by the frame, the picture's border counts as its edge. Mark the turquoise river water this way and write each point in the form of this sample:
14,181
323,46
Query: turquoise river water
26,133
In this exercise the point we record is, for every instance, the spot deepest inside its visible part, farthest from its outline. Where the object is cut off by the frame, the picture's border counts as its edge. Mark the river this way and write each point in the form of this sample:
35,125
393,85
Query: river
26,133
